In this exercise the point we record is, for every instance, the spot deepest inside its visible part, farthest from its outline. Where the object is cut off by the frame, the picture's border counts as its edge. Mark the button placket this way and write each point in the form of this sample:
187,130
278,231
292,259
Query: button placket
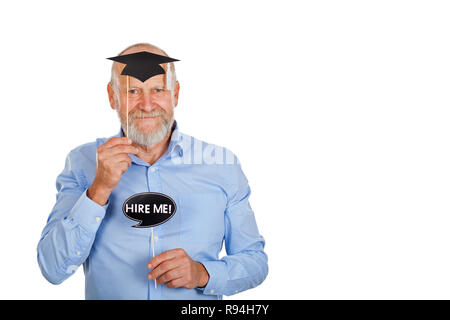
153,179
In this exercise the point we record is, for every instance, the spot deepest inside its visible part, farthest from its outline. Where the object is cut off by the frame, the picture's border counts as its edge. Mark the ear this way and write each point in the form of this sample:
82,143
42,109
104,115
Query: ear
111,96
176,93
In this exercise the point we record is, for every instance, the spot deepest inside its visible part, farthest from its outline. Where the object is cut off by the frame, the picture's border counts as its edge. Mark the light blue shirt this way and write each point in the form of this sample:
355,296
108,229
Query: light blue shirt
212,197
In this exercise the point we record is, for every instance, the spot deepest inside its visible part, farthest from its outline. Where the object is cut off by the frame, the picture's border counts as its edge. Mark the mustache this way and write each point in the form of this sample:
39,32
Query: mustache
143,114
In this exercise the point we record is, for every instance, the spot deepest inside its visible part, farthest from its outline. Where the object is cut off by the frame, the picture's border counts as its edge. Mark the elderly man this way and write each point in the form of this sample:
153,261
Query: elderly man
178,259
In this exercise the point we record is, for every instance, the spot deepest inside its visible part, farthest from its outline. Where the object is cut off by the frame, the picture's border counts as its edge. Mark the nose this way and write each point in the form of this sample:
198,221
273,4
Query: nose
148,101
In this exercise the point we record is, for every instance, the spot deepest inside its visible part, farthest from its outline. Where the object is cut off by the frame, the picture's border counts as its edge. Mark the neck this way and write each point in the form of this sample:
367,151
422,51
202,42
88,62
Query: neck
151,154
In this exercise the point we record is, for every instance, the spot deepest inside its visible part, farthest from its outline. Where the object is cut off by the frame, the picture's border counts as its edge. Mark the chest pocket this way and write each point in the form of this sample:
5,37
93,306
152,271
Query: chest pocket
201,217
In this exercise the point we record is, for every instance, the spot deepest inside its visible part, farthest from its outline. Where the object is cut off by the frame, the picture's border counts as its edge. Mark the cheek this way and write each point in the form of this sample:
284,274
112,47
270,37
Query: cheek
166,104
163,103
134,103
168,109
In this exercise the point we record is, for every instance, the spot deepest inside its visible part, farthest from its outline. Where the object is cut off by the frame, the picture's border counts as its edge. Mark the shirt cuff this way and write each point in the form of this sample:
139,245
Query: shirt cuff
88,213
218,276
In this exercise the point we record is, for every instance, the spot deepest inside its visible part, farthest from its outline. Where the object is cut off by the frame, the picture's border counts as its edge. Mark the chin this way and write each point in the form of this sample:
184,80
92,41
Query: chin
148,128
146,132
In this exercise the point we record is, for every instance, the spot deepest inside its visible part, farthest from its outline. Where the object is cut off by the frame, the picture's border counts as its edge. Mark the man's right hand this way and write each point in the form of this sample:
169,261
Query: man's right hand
112,162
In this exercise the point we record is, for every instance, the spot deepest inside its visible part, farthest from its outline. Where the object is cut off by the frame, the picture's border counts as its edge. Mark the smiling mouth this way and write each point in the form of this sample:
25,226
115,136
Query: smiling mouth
144,118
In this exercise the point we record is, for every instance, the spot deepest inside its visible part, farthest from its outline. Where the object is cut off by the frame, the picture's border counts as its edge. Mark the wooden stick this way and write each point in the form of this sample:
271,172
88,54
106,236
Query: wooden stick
153,248
128,85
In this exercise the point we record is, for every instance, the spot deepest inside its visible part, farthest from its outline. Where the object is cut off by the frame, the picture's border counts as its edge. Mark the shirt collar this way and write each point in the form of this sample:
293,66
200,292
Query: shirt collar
175,144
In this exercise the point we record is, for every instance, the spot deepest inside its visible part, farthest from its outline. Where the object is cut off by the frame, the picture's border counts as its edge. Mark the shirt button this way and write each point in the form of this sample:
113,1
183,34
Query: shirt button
156,238
78,253
97,219
152,169
235,291
211,291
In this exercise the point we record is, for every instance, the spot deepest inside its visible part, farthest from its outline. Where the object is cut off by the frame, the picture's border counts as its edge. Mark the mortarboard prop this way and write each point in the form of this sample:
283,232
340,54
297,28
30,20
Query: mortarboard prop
142,66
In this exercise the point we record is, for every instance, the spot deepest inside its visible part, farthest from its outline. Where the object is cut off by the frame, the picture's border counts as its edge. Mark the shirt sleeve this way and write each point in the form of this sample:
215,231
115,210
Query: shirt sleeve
68,236
245,265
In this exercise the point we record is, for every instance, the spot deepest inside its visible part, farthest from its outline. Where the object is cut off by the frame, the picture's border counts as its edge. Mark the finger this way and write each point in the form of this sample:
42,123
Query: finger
113,164
166,255
116,141
124,165
164,267
121,149
176,283
121,157
169,276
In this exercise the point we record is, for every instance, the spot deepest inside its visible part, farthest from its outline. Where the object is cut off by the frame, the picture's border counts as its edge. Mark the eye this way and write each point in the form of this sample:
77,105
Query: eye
158,90
132,91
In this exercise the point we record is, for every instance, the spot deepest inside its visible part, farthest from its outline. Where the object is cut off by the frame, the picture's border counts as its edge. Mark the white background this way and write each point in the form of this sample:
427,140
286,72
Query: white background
338,111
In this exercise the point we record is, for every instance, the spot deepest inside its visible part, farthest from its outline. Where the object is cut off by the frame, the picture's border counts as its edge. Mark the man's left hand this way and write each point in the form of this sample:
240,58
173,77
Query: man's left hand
176,269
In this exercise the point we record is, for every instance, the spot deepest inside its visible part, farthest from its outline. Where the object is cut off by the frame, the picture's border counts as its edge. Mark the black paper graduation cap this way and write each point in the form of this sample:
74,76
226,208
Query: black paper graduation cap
142,65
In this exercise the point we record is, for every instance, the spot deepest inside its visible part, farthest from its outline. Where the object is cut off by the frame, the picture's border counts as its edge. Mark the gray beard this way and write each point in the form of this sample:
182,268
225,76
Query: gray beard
144,138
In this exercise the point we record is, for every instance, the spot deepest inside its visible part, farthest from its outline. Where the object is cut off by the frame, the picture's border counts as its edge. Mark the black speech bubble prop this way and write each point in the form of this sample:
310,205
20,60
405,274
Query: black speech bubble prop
149,208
